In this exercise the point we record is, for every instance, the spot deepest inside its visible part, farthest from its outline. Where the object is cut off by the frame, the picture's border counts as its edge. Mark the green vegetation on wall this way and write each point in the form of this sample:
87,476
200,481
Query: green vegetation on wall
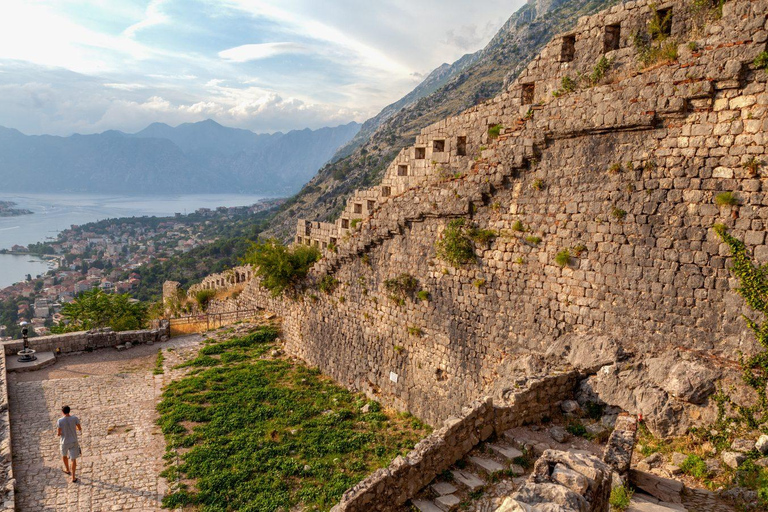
280,267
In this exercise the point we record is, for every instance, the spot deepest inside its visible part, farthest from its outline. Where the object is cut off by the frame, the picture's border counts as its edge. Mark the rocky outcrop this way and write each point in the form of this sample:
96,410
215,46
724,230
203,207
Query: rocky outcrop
564,482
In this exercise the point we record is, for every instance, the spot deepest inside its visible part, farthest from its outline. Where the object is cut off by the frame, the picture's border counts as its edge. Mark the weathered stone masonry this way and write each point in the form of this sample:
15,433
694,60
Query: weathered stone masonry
624,174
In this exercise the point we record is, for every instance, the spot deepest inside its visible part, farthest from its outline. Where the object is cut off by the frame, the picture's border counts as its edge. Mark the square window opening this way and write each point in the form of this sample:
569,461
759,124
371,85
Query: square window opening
568,49
421,153
461,146
402,170
438,146
529,91
612,38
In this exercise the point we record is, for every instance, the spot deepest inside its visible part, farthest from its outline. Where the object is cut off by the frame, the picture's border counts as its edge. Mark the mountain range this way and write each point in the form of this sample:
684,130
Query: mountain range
448,90
189,158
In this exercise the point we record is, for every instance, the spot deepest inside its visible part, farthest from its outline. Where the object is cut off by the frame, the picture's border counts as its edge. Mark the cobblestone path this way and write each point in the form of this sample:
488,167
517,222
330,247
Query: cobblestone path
114,394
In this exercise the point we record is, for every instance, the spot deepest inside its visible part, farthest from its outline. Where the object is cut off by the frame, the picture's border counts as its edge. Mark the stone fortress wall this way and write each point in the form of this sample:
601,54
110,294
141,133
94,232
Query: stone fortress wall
231,278
622,172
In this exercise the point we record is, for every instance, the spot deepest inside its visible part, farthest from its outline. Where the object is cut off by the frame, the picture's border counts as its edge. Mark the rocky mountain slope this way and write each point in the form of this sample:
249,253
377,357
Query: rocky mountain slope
448,90
189,158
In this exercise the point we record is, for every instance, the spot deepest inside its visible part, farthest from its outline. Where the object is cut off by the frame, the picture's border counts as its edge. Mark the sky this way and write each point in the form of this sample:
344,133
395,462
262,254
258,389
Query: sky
86,66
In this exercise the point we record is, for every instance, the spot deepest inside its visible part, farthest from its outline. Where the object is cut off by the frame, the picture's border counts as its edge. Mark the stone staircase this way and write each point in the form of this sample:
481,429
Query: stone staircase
473,481
645,503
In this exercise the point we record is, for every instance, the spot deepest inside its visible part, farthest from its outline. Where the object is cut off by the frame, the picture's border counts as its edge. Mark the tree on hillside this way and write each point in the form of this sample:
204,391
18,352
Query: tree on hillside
95,309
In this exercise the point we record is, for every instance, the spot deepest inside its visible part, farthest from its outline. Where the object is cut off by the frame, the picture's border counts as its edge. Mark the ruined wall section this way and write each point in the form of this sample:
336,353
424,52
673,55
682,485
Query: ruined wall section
623,174
232,278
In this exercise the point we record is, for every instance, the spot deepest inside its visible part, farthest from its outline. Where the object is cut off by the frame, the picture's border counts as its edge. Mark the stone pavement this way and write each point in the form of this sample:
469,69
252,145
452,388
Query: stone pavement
114,394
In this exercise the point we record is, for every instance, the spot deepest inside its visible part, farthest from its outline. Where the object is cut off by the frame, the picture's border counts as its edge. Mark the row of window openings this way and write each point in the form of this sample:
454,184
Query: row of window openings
438,146
612,36
316,243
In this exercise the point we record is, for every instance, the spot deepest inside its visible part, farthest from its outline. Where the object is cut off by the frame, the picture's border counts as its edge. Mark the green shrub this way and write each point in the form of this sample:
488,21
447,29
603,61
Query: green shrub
455,247
694,466
567,84
479,283
328,284
354,223
577,429
280,267
618,213
423,295
203,297
494,131
753,165
518,226
600,69
563,258
481,236
615,168
761,61
532,239
726,199
620,498
403,285
414,331
95,309
537,184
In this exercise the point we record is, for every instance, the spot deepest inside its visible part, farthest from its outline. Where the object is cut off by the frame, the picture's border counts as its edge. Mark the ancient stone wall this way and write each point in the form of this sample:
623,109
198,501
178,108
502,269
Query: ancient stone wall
7,480
89,340
234,277
623,171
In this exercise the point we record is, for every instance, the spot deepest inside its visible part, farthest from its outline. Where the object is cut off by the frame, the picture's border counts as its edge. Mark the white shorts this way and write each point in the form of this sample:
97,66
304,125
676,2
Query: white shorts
71,450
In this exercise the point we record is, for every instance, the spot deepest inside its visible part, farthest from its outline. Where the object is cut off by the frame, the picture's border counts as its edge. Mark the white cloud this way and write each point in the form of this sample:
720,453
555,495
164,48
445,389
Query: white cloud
126,87
154,16
92,65
249,52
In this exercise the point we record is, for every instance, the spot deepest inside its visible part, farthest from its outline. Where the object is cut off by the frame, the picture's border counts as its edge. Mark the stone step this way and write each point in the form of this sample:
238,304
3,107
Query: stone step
644,503
426,506
508,452
447,503
487,465
468,480
443,488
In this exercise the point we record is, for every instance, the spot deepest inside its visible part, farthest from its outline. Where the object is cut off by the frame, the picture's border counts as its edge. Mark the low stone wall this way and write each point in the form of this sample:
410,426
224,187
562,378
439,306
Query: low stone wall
388,488
7,481
89,340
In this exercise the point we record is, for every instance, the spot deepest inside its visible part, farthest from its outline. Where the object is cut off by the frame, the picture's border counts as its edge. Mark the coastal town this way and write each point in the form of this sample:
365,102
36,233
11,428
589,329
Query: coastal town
105,255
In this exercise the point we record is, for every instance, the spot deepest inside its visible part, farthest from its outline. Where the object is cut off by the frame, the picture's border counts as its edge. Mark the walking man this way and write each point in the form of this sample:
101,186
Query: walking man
70,449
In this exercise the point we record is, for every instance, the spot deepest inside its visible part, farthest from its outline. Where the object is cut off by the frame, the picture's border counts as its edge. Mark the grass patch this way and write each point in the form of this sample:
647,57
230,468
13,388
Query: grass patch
494,131
695,466
618,214
761,61
532,239
271,434
726,199
620,498
563,258
158,369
